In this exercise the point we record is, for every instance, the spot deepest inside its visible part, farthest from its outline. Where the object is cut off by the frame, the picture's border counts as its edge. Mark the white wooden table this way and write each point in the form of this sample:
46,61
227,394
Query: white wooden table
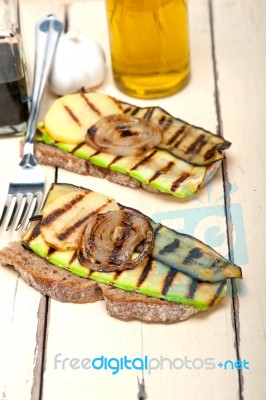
227,95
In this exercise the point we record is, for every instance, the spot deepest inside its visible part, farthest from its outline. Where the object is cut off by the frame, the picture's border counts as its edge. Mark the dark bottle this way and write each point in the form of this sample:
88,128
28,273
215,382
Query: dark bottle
14,101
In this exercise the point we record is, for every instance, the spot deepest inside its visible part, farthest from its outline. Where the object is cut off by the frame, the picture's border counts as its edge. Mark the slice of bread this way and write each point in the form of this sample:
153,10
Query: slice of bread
63,286
130,305
48,279
51,155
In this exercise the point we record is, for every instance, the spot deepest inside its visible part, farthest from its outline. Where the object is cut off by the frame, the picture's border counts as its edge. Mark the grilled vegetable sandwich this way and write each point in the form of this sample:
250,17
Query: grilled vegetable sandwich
95,134
86,247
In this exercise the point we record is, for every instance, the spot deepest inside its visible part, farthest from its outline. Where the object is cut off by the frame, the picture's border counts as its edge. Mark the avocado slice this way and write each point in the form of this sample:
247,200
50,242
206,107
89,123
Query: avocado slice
83,151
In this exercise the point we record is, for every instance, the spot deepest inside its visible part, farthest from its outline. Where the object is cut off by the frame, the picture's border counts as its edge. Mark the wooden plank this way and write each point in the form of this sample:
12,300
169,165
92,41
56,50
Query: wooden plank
22,312
209,335
241,69
86,331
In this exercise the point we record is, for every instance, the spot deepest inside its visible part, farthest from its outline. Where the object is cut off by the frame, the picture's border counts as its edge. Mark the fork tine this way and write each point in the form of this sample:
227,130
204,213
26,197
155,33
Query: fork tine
19,198
39,202
6,206
37,206
27,204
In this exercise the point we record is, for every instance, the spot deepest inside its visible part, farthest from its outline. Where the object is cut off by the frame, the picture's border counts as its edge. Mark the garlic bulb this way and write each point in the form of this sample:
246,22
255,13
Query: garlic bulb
79,63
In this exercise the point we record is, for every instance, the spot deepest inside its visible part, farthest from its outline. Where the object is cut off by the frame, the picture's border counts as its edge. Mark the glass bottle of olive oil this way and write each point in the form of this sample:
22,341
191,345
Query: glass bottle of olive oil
149,46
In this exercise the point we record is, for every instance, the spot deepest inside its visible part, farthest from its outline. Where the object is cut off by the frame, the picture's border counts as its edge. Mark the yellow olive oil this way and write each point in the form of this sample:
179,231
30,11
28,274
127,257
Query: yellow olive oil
149,46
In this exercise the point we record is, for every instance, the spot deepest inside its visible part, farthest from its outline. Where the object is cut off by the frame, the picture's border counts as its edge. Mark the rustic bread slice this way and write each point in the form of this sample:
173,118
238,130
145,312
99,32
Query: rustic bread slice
130,305
47,279
63,286
51,155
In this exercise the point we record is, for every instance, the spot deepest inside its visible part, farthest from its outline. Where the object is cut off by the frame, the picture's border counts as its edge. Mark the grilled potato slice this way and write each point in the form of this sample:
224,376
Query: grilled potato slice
65,213
69,117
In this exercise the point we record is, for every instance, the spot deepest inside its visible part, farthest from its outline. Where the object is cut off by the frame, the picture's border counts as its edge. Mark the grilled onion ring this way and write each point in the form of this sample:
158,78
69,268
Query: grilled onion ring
108,240
123,135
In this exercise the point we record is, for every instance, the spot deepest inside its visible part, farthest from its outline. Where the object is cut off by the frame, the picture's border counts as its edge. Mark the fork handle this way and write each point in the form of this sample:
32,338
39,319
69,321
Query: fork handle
48,31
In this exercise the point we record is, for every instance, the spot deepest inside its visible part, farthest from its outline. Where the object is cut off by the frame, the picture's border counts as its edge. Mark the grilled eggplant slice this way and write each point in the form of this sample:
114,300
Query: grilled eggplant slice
187,142
186,253
186,283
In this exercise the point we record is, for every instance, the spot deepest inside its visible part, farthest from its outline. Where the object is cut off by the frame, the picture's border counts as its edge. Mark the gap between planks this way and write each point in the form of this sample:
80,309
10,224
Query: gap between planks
227,201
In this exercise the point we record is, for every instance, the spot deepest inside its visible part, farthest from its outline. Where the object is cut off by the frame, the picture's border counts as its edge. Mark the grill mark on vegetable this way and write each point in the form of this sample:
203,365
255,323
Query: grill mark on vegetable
197,144
161,171
168,281
36,217
170,247
156,231
165,123
148,113
145,159
127,110
63,235
210,153
77,147
51,250
193,255
135,111
95,153
117,274
176,135
161,120
179,180
218,293
90,104
57,213
35,232
114,160
185,133
73,258
144,273
72,115
117,102
192,289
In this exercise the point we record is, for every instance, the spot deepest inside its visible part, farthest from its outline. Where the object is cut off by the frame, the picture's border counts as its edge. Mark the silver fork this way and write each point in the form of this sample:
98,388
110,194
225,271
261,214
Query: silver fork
27,181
